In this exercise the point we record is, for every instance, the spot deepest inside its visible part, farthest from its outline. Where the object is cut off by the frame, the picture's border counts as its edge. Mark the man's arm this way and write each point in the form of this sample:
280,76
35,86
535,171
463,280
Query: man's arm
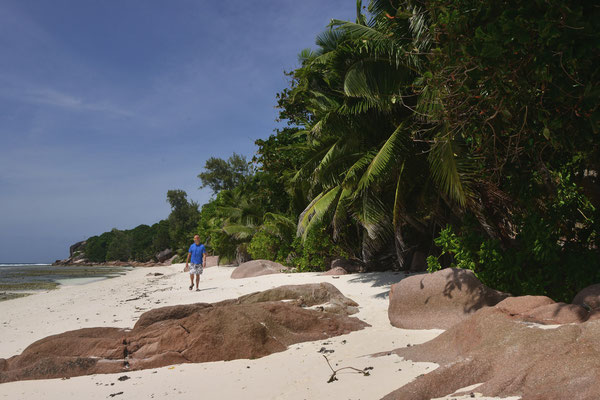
188,260
204,259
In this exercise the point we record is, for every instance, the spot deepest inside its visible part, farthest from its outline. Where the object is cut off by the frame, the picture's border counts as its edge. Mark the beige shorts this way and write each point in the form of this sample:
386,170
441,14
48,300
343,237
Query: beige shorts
196,269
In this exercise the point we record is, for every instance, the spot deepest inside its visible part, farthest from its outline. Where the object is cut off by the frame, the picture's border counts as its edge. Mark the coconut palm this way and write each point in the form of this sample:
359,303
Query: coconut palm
381,155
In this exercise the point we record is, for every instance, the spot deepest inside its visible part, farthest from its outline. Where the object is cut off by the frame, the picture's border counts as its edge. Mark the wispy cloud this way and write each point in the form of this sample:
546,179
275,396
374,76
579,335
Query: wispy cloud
64,100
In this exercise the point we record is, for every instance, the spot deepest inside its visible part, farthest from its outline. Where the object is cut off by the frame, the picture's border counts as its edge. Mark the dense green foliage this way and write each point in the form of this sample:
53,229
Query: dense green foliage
460,129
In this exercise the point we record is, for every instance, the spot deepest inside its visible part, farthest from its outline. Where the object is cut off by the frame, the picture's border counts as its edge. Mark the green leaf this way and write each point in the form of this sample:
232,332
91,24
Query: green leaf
546,133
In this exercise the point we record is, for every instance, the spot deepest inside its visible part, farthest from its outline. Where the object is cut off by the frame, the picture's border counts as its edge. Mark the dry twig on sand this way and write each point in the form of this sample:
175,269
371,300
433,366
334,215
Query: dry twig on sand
333,377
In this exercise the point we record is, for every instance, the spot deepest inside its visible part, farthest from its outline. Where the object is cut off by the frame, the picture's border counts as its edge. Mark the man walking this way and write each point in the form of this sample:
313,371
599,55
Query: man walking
197,254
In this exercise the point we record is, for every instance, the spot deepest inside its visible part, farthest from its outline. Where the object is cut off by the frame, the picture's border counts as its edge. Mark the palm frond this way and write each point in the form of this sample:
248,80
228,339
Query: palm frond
315,211
278,225
420,30
307,169
376,79
306,55
377,7
388,157
356,170
239,231
330,39
398,199
340,215
446,171
360,32
374,216
361,19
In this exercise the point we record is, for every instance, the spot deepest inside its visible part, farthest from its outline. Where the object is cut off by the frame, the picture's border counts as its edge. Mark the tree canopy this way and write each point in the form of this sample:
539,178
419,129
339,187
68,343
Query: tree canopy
220,174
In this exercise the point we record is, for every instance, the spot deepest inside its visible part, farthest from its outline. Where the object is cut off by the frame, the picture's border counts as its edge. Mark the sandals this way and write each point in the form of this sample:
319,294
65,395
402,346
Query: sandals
191,286
197,289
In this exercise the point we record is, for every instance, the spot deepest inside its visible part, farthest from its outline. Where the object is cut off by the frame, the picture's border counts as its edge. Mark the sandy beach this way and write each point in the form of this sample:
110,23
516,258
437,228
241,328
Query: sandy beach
301,372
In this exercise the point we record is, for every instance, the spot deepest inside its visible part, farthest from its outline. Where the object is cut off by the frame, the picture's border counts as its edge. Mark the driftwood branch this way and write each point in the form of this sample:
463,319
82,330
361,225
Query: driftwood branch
333,377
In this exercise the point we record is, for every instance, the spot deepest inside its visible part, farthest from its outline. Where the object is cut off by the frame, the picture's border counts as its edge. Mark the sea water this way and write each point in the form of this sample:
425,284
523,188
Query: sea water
20,277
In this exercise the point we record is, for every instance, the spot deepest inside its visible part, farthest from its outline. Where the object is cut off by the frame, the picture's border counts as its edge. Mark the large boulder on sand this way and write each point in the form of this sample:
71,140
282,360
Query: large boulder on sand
542,310
248,327
164,255
257,268
350,266
510,357
523,304
212,261
335,272
558,313
324,295
588,297
439,300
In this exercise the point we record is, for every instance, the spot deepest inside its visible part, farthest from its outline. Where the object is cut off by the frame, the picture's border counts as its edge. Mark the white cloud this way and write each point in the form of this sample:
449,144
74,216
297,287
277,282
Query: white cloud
64,100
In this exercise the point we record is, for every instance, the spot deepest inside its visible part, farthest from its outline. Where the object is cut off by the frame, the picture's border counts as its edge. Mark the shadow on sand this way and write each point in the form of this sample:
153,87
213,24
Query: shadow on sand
380,279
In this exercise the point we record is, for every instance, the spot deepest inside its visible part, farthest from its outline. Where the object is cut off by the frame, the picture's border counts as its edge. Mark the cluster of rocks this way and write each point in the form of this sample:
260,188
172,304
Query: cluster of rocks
115,263
249,327
76,255
265,267
498,340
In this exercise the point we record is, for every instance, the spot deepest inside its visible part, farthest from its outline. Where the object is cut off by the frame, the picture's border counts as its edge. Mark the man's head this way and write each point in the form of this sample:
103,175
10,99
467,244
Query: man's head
197,239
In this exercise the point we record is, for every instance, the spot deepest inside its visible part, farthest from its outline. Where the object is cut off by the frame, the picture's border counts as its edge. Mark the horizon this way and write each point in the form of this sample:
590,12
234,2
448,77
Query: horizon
101,101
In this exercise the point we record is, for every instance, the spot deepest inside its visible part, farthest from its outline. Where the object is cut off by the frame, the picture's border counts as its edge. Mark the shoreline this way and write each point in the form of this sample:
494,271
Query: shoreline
19,280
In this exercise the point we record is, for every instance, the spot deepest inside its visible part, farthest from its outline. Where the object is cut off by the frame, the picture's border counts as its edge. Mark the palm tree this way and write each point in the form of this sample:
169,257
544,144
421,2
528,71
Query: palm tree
382,156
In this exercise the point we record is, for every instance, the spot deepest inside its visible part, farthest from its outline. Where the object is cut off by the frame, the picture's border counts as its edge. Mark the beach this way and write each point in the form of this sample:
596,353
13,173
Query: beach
300,372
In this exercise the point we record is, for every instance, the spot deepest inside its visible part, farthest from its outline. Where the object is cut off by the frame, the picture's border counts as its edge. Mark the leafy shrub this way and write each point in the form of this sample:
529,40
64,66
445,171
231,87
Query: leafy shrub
317,250
555,253
266,246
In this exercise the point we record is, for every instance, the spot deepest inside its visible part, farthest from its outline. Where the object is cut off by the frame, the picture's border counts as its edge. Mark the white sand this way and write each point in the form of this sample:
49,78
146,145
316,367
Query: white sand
298,373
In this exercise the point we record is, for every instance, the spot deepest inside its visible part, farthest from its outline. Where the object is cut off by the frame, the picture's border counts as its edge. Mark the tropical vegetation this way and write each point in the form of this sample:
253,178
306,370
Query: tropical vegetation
462,130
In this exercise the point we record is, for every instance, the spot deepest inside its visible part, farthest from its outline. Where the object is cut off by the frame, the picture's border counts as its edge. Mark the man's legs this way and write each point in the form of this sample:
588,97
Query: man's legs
197,281
191,279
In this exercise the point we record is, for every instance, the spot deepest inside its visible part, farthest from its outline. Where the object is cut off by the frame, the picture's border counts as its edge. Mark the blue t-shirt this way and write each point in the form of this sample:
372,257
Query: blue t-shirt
196,251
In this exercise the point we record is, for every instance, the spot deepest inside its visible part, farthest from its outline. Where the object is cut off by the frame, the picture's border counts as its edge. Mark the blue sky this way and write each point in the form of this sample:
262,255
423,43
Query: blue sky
106,105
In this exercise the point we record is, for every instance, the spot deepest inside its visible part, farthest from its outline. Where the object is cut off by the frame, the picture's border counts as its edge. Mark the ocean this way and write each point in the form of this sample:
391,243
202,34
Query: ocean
18,279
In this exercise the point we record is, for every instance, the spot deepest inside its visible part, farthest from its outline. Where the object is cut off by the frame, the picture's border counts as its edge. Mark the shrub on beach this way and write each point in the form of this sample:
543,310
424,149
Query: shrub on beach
316,251
265,246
